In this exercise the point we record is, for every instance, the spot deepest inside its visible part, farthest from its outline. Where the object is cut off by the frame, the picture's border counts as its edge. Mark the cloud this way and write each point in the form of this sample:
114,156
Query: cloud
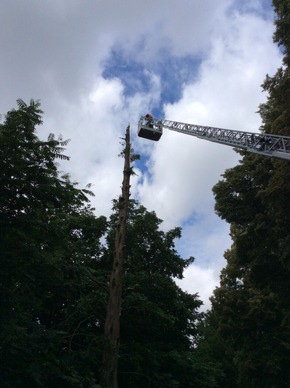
226,93
198,280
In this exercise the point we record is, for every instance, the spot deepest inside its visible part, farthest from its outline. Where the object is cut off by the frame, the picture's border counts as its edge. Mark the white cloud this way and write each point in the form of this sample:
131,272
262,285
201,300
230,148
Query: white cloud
183,170
198,280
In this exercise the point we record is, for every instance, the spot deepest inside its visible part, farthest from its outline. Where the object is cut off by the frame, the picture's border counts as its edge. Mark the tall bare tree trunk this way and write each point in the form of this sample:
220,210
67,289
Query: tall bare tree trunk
112,323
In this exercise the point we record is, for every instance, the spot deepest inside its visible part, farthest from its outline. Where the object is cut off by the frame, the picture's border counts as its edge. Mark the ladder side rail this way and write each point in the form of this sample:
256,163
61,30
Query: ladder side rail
265,144
258,143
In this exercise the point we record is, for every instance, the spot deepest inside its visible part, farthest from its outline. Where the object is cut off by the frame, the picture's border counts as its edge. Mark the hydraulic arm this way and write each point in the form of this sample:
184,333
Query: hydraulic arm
262,144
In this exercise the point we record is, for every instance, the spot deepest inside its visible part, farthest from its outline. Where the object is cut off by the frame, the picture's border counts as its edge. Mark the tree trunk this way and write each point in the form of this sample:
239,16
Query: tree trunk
112,323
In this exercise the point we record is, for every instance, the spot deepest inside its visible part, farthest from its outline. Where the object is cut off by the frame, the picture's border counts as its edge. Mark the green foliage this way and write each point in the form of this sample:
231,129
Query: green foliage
282,22
249,322
159,320
251,305
48,238
54,276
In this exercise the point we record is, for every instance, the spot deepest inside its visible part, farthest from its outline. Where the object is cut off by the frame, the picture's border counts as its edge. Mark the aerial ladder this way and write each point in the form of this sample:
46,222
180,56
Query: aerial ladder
275,146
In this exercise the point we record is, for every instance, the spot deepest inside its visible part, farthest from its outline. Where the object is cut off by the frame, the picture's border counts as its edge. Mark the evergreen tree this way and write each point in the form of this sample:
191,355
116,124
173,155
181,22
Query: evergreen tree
55,271
48,238
159,320
251,308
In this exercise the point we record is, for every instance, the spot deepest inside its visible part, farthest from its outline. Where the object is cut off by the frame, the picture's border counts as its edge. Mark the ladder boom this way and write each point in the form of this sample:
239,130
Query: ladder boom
258,143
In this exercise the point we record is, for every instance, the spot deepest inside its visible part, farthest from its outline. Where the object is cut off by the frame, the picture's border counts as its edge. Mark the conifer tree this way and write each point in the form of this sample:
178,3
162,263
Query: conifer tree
49,237
251,308
159,320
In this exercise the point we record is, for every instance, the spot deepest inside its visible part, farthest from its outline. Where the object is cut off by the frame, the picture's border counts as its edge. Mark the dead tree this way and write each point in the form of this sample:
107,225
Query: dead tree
112,322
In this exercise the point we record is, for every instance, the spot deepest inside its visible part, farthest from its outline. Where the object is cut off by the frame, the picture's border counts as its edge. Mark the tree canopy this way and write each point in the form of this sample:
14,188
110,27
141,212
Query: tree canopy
249,321
56,258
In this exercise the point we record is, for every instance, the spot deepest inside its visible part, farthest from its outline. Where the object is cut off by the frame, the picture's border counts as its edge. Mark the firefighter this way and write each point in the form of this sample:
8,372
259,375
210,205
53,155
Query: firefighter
149,118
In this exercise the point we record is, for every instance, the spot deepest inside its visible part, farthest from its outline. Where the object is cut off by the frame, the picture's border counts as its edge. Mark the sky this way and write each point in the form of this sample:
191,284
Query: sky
98,65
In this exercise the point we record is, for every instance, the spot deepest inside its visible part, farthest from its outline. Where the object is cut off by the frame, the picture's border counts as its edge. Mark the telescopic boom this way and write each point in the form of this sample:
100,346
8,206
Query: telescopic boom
262,144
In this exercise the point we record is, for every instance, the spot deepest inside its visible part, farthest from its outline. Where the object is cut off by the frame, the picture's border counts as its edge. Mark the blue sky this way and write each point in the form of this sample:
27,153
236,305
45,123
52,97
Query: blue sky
98,65
135,74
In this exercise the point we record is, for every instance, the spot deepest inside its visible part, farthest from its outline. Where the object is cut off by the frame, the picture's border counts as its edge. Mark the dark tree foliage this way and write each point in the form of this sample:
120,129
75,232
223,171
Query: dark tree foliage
250,318
55,265
159,320
48,238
